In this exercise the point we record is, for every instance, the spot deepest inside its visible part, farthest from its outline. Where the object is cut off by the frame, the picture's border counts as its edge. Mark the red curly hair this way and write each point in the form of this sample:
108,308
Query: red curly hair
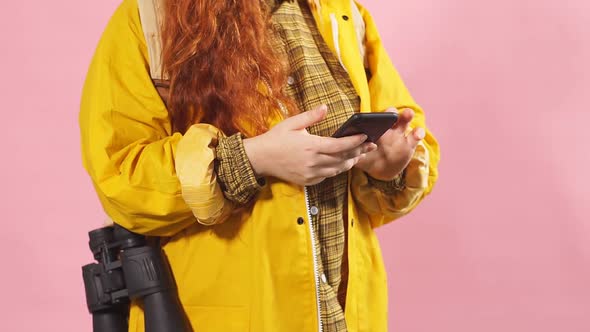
216,53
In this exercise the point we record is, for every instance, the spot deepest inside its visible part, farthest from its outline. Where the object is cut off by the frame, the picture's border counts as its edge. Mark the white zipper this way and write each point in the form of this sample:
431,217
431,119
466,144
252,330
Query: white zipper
316,271
282,106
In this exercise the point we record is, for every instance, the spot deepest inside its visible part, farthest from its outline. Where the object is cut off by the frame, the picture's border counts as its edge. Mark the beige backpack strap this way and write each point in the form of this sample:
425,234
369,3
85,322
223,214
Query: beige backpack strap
360,28
150,14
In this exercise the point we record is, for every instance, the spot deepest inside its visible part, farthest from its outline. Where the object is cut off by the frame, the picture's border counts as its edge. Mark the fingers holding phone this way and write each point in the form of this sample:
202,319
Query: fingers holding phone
290,153
395,149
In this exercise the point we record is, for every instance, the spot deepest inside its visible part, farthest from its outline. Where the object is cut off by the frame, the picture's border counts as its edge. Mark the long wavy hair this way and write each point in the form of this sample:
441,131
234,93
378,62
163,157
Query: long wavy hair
216,53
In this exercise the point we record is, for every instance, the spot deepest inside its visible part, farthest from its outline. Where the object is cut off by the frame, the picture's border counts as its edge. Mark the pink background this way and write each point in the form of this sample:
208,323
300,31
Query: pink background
503,244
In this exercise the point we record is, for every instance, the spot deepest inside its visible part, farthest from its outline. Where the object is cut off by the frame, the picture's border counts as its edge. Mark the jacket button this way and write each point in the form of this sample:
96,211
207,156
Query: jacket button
314,210
352,223
324,279
300,221
290,80
344,17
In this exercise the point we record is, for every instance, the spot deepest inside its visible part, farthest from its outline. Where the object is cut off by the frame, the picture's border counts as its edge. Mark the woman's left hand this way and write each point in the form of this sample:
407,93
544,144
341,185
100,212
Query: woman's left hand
394,149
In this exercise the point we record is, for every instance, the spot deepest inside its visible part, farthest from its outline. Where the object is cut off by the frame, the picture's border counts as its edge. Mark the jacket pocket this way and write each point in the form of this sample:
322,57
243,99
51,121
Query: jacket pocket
218,319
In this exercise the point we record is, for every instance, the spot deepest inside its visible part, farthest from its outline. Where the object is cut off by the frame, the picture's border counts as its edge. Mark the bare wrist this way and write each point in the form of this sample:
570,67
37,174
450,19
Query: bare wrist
254,152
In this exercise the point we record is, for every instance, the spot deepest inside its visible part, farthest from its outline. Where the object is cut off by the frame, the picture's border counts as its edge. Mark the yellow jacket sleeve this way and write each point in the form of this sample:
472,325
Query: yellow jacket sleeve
388,90
128,147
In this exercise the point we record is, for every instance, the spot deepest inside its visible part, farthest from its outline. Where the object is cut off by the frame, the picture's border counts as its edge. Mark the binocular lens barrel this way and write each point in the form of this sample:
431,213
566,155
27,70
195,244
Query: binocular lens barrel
128,268
167,314
109,321
149,277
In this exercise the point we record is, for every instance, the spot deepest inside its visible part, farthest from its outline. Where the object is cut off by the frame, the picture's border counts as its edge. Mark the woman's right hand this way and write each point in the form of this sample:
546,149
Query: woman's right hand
290,153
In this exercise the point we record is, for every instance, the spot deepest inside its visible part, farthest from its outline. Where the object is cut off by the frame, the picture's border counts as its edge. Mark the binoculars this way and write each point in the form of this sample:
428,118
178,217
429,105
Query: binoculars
128,268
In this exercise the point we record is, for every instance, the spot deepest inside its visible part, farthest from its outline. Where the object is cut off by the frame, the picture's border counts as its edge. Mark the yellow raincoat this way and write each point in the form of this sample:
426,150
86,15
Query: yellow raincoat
251,270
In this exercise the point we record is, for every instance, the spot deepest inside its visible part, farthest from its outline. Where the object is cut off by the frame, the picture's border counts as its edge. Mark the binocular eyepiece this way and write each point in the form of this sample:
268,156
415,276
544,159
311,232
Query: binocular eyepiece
127,269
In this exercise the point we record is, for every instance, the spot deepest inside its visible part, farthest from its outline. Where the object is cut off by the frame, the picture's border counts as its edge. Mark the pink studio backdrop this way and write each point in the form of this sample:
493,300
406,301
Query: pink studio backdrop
503,244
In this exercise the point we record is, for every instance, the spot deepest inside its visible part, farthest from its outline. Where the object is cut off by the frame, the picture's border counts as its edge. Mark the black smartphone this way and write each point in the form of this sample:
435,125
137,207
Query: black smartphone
371,124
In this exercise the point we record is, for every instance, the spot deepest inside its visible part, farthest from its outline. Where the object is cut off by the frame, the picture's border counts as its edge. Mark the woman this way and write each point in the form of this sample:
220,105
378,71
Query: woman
269,221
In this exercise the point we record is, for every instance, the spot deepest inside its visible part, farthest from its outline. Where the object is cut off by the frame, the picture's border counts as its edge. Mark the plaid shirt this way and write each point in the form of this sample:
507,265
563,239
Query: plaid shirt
316,77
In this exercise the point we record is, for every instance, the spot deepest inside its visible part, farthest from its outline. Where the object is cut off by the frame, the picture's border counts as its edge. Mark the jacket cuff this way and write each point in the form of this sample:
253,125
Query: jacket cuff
389,187
194,163
234,171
